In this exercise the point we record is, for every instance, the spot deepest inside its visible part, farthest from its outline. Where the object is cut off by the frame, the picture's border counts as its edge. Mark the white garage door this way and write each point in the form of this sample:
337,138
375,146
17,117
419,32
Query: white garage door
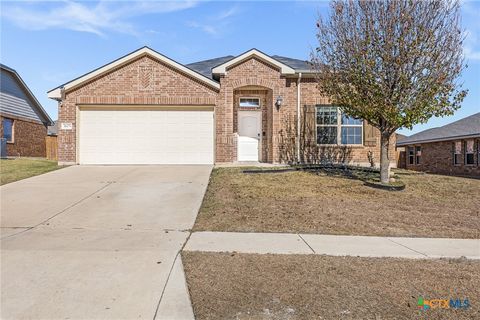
147,136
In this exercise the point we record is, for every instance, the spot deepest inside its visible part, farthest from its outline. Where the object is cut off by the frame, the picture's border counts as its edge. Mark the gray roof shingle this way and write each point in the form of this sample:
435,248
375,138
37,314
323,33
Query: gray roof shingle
205,67
466,127
297,64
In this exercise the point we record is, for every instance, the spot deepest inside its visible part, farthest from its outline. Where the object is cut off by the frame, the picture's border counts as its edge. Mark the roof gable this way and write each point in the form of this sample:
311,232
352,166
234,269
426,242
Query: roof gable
222,68
145,51
17,99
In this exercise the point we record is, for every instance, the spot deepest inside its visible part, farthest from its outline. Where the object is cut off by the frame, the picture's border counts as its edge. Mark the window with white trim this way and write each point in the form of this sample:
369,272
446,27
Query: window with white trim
469,152
253,103
335,127
457,151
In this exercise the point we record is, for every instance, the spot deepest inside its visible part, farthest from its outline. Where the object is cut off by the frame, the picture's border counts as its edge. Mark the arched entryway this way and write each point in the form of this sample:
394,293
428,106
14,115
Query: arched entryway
252,123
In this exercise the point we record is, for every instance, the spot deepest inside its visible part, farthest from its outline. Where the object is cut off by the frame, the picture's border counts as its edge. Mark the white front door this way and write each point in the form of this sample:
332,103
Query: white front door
249,135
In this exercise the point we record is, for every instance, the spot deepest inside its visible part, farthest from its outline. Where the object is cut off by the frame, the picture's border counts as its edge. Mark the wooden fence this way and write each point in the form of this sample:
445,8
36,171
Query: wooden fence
52,147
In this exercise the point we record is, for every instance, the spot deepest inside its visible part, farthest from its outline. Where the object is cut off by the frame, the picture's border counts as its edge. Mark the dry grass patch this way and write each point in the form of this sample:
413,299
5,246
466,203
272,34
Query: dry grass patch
430,206
17,169
249,286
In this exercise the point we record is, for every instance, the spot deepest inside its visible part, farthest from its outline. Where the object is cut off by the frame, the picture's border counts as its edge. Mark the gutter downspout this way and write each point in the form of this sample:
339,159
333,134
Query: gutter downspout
298,116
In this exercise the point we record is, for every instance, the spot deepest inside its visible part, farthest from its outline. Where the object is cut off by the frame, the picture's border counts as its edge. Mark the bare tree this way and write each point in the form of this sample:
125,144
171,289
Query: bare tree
394,63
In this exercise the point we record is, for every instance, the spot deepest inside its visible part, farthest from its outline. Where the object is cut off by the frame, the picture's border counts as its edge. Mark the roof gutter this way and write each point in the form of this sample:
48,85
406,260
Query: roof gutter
307,71
298,116
57,94
468,136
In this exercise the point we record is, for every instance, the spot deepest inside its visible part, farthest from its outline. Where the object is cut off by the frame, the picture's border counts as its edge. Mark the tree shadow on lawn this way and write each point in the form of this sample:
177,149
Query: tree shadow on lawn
369,176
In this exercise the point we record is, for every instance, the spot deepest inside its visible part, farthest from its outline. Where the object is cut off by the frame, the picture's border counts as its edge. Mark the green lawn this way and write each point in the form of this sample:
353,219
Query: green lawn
17,169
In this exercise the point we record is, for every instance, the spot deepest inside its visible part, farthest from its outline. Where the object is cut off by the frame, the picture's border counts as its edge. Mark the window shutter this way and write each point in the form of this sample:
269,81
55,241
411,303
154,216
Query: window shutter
458,147
370,133
469,146
309,124
478,152
453,153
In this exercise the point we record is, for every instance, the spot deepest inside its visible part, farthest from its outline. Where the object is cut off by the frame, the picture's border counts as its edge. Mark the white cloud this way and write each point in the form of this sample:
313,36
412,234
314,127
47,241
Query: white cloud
471,48
85,17
215,25
204,27
470,54
471,21
227,13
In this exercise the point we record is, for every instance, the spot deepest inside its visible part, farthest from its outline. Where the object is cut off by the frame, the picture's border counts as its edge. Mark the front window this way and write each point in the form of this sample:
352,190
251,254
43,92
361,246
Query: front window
326,135
335,127
418,155
469,152
253,103
457,151
351,130
327,125
8,129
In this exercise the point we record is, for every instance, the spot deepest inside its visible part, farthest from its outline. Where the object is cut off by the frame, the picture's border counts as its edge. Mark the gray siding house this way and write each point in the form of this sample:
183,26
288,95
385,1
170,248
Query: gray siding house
23,120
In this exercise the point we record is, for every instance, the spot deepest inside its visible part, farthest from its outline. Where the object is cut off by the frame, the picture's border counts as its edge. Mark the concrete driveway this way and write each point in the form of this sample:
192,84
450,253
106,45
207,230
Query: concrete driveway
90,242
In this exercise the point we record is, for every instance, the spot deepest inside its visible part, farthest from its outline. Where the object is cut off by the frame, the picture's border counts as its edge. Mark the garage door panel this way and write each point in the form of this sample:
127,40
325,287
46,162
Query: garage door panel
145,137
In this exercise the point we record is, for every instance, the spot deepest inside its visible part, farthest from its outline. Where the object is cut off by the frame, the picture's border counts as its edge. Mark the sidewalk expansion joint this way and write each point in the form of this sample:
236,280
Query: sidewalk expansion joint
423,254
170,272
58,213
108,183
306,243
165,286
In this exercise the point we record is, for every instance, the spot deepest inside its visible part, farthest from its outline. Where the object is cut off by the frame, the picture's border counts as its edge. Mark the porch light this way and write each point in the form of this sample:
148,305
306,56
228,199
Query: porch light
279,102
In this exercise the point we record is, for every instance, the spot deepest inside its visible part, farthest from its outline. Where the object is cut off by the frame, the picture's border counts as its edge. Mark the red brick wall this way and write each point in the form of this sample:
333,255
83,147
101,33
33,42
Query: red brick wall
437,157
280,125
29,138
352,154
253,73
144,81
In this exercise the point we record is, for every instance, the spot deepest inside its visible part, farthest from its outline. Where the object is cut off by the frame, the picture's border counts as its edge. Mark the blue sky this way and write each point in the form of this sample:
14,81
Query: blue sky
50,43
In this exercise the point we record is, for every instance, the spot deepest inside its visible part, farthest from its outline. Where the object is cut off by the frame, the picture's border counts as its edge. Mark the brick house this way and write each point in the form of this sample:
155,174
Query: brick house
452,149
23,121
145,108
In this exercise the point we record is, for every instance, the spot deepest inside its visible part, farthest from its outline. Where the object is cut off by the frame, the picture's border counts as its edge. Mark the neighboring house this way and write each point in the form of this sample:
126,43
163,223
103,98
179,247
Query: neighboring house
53,129
451,149
145,108
401,157
23,120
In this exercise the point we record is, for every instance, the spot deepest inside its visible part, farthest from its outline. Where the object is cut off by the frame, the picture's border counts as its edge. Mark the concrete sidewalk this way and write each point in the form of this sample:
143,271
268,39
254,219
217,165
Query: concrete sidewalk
361,246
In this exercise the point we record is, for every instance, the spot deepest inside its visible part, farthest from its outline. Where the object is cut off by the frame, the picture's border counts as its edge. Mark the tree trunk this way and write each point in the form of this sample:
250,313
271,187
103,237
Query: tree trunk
384,159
